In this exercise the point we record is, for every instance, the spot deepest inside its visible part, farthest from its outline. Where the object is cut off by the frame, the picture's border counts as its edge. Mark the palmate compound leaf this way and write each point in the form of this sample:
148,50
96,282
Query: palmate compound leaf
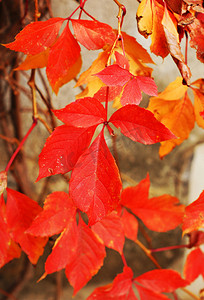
110,231
84,112
95,184
160,214
115,75
193,266
194,216
63,148
93,34
140,125
58,209
120,289
20,212
64,61
161,281
37,36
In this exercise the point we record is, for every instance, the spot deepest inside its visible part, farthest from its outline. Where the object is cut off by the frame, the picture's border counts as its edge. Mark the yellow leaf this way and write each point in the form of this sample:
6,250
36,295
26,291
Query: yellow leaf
170,23
174,91
144,18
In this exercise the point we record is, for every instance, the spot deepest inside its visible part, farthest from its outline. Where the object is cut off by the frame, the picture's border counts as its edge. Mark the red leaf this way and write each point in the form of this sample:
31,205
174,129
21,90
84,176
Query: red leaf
95,183
130,225
162,281
57,211
62,57
88,259
37,36
159,213
114,75
113,92
4,235
65,248
140,125
83,112
194,266
120,289
110,230
194,216
131,93
122,61
21,211
149,294
147,85
63,148
93,34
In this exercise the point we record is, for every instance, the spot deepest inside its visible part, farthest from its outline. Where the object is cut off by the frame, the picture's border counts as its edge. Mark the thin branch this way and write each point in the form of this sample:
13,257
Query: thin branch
148,253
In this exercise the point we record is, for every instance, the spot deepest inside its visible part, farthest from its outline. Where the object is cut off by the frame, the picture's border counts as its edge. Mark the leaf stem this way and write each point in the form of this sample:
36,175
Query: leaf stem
168,248
124,260
20,145
148,253
37,14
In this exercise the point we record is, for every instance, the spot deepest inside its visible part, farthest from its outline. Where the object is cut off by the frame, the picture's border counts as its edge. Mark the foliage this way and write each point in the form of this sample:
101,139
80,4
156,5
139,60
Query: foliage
119,74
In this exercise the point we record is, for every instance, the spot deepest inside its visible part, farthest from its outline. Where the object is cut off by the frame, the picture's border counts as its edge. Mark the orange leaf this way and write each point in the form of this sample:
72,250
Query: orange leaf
169,23
198,106
35,61
180,121
159,44
64,61
174,91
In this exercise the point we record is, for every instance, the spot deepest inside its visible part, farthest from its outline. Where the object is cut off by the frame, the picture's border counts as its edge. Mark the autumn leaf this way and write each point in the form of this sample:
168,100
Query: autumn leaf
85,112
149,294
20,212
120,289
34,61
130,225
58,209
113,92
199,102
89,256
64,61
36,37
194,217
95,183
110,231
161,281
193,266
93,34
62,149
114,75
177,115
122,60
196,32
169,23
158,213
140,125
145,18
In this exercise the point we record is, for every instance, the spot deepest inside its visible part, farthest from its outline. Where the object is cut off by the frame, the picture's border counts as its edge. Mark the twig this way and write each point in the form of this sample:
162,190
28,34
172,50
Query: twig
148,253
